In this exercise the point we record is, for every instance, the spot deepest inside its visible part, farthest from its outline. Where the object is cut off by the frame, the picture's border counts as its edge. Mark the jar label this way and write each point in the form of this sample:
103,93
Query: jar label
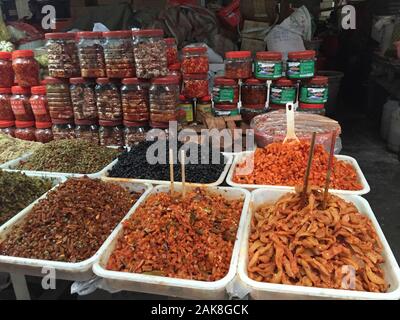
38,107
283,95
300,69
188,109
206,108
18,107
226,113
268,70
223,95
313,95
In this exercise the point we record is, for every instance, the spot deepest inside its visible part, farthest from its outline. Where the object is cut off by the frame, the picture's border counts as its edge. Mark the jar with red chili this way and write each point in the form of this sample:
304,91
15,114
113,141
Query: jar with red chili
225,91
20,104
7,127
25,130
58,99
254,94
6,70
6,113
108,100
87,130
135,100
195,85
172,51
111,133
164,98
91,54
39,104
26,68
43,132
238,65
195,60
63,129
83,99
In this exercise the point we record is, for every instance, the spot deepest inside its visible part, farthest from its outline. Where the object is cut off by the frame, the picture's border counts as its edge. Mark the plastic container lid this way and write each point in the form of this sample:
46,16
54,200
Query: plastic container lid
24,124
183,98
43,125
313,106
50,80
135,123
174,67
319,80
89,35
148,33
170,41
237,54
62,121
284,82
103,80
131,81
22,54
38,90
118,34
5,55
205,99
7,124
110,123
253,81
269,55
5,90
159,125
20,90
225,82
61,35
85,122
166,80
77,80
226,107
307,54
201,76
194,50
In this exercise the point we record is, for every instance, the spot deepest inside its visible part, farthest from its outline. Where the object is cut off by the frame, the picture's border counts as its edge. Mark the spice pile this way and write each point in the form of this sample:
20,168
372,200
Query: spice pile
69,156
190,238
71,223
310,246
17,191
134,164
11,148
285,165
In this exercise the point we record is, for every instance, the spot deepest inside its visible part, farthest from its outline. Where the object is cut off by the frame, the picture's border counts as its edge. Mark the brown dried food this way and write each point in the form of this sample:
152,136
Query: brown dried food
151,59
71,223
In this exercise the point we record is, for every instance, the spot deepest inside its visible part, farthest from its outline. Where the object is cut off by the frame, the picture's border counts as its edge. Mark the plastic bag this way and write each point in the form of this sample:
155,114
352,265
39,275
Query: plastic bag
4,33
271,127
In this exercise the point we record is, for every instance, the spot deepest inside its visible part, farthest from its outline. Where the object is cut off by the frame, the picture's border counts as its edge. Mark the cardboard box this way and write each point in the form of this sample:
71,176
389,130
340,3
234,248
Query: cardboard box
253,45
259,10
254,29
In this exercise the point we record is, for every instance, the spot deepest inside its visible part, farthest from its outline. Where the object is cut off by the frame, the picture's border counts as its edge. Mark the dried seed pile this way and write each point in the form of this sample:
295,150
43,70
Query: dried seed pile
70,156
11,148
17,191
134,164
71,223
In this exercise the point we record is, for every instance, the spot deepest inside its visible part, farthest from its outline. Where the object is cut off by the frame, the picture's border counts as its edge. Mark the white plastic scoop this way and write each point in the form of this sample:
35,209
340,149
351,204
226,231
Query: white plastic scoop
290,132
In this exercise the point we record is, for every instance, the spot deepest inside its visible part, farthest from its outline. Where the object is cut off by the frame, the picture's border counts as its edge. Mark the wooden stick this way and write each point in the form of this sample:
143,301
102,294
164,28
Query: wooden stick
329,171
183,173
171,170
308,170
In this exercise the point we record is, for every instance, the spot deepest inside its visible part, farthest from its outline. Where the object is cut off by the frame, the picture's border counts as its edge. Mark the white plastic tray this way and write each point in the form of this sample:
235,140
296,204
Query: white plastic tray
221,179
239,158
80,271
265,291
15,161
188,289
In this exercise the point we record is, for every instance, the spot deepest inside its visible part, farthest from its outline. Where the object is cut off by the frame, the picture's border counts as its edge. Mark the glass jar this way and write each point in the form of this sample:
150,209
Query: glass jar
283,91
118,54
83,99
150,53
195,85
313,108
87,130
26,68
135,99
7,127
20,104
43,132
6,70
301,64
25,130
108,100
225,91
254,94
63,129
164,97
225,110
58,99
268,65
91,54
6,112
134,132
195,60
315,91
185,106
39,104
62,53
172,51
204,106
238,65
111,133
249,114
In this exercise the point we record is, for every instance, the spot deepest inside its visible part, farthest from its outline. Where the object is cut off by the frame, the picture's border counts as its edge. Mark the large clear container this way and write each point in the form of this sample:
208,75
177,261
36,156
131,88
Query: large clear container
118,54
58,99
195,85
63,129
254,94
62,53
195,60
6,70
6,113
20,104
111,133
150,52
108,100
87,130
26,68
91,54
43,132
7,127
135,99
164,98
238,65
25,130
83,99
39,104
134,132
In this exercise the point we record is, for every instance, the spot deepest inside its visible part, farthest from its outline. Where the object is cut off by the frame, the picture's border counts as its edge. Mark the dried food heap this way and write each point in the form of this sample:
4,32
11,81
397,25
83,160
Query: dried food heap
190,238
71,223
69,156
17,191
11,148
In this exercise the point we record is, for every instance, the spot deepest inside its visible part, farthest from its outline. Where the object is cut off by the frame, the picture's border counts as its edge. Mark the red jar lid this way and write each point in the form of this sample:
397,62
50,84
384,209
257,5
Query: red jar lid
284,82
313,106
5,90
24,124
62,121
237,54
89,35
50,80
200,76
226,107
5,55
194,50
85,122
110,123
205,99
224,82
43,125
148,33
7,124
269,55
118,34
307,54
252,81
22,54
103,80
170,41
159,125
174,67
135,123
61,35
38,90
77,80
183,98
131,81
20,90
319,80
166,80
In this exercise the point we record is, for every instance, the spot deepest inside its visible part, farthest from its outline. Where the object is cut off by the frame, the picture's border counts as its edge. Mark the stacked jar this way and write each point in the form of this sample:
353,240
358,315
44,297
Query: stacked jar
282,91
26,68
254,96
172,52
25,130
268,65
108,100
135,100
314,95
91,54
7,123
301,64
83,99
238,65
6,70
59,99
39,104
88,130
225,96
20,104
43,132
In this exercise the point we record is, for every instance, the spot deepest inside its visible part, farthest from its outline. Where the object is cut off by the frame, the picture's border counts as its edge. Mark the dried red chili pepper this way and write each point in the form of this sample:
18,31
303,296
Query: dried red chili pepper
6,70
26,68
195,85
195,60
